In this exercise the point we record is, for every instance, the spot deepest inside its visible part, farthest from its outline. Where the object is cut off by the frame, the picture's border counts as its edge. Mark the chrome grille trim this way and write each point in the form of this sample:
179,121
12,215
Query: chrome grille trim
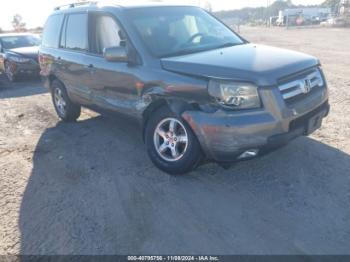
301,86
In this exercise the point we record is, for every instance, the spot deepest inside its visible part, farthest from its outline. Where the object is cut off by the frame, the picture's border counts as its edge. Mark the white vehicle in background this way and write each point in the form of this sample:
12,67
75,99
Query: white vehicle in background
302,16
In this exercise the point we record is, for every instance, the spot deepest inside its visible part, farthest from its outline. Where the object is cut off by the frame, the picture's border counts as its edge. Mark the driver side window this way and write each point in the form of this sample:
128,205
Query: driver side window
106,33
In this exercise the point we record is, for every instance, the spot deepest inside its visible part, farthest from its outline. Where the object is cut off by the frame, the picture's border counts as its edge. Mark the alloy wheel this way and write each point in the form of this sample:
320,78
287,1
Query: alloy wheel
59,101
170,139
8,72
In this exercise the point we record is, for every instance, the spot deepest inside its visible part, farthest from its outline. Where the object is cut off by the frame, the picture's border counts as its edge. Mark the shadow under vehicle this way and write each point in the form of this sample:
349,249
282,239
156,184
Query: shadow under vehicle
93,191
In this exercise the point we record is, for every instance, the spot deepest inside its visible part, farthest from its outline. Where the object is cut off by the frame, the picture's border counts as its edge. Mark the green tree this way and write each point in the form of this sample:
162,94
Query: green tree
254,14
333,4
279,5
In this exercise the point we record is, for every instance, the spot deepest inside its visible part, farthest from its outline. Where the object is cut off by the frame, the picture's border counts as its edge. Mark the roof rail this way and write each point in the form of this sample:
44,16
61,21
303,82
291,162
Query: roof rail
72,5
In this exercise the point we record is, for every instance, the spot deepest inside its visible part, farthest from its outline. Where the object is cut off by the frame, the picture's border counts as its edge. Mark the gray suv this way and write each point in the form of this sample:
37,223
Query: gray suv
199,91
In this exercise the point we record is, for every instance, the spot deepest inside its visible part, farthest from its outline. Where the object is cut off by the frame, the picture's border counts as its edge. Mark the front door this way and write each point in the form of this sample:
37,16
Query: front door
113,84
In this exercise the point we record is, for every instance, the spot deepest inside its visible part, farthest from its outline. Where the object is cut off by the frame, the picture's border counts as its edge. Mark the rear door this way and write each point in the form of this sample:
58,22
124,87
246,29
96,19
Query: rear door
113,84
72,62
49,51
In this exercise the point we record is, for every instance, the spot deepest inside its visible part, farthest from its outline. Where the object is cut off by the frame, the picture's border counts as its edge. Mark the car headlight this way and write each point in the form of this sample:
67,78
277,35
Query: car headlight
19,59
235,95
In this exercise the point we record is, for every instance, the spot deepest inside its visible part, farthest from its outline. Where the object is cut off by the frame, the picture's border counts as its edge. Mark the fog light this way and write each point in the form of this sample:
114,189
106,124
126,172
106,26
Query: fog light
249,154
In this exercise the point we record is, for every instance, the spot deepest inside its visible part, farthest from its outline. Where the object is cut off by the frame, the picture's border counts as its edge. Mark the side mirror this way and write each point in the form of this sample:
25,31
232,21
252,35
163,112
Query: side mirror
116,54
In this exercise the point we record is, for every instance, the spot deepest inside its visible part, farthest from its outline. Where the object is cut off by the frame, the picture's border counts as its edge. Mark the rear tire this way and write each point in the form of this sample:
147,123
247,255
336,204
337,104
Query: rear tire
65,108
171,144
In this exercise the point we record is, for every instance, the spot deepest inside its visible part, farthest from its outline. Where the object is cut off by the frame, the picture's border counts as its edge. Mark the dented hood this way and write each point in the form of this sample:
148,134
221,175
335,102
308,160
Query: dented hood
260,64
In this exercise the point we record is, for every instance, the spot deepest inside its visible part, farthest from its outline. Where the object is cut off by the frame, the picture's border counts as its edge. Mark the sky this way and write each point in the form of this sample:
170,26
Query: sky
35,12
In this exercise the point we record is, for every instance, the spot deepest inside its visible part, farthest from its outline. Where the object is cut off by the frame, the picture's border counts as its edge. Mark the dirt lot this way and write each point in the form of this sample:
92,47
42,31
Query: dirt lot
89,188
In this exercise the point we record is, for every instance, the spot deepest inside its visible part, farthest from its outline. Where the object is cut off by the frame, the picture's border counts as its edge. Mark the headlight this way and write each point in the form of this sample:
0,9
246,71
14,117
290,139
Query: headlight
235,95
19,59
320,77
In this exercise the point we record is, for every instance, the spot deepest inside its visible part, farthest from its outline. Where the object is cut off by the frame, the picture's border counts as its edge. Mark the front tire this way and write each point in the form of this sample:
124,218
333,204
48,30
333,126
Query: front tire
171,144
9,74
65,108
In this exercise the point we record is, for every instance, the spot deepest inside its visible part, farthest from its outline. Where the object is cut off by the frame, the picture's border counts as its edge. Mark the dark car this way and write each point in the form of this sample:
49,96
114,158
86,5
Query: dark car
199,90
19,55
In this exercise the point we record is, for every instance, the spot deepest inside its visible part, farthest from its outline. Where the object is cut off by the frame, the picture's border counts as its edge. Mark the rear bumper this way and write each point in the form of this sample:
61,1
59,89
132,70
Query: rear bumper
224,137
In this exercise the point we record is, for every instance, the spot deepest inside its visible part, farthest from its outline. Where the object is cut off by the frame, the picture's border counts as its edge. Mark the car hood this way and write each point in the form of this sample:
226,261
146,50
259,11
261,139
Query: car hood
260,64
30,52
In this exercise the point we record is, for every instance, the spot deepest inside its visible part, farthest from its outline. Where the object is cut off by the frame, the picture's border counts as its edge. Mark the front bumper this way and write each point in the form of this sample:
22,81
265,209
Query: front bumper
224,136
29,69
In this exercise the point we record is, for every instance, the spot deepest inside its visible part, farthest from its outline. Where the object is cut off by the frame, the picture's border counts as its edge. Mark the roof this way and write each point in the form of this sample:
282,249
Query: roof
117,4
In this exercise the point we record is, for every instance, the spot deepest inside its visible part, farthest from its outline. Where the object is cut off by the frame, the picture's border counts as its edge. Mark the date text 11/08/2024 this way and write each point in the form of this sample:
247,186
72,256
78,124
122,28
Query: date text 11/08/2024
173,258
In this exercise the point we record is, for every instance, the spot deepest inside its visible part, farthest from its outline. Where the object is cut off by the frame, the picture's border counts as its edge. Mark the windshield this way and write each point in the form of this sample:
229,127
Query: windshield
10,42
172,31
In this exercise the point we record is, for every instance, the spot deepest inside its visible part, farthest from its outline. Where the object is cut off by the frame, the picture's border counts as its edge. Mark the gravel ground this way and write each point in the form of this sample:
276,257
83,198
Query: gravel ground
89,188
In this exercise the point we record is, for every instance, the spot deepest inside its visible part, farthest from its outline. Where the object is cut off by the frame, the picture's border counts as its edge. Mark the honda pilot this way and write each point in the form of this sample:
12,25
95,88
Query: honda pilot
200,91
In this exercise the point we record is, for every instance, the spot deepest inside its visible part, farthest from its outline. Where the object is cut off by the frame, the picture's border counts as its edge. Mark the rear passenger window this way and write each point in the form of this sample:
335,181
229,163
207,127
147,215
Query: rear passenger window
52,31
76,32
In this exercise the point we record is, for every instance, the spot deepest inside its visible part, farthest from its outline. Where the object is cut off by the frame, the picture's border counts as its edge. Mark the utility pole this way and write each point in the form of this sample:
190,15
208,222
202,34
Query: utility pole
267,13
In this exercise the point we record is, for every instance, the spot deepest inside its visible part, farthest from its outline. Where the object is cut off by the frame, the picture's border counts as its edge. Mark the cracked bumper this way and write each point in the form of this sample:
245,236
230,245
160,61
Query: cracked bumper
224,136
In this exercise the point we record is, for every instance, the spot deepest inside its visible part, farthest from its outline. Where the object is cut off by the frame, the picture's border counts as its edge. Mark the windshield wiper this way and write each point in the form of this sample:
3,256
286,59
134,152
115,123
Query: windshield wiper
197,50
183,52
228,45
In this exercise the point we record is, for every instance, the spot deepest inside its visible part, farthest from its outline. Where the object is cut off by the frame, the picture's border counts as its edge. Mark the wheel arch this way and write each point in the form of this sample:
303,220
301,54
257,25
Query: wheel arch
51,78
176,106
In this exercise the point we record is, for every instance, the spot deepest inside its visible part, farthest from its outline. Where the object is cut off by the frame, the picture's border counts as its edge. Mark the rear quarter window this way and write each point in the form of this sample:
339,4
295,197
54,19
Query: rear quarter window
52,31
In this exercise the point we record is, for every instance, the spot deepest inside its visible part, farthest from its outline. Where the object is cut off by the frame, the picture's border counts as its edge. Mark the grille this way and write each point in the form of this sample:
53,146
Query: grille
301,86
301,121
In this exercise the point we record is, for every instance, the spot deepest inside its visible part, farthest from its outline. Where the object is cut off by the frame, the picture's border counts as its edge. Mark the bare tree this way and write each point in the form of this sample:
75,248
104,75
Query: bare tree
18,23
